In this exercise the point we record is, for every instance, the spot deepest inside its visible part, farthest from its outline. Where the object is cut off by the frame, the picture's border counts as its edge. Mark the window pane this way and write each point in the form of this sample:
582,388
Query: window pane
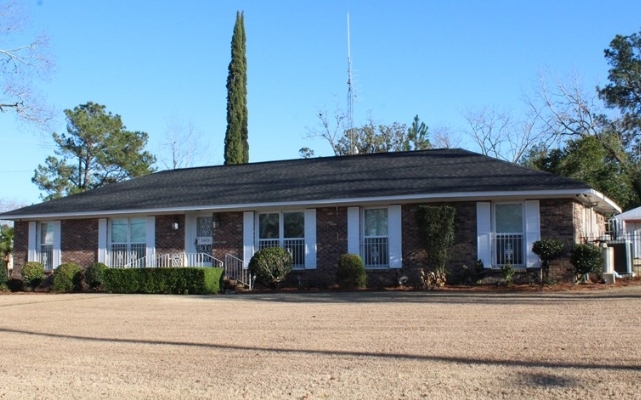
268,226
46,233
138,230
376,222
509,218
119,231
294,225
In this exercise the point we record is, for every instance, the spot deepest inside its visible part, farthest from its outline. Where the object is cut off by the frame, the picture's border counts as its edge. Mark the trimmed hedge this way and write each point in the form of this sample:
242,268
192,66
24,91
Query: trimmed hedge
33,273
351,271
271,265
95,274
64,277
184,280
3,275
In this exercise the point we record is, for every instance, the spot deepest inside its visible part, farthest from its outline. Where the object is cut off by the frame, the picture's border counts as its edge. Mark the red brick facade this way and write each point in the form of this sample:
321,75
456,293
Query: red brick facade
20,246
228,236
79,241
559,218
169,240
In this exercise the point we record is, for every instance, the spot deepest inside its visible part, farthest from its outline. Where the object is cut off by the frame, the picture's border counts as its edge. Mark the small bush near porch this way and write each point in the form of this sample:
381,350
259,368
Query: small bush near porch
164,280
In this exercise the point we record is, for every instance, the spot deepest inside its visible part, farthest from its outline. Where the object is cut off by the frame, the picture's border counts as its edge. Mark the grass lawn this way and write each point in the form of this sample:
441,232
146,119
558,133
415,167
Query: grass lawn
364,345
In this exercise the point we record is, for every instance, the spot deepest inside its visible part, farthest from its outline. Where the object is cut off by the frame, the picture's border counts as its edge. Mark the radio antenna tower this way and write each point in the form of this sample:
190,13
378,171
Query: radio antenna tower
350,94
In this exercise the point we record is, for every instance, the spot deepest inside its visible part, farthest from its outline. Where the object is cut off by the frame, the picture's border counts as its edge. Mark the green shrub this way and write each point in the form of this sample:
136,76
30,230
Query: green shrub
95,275
547,250
185,280
271,265
586,258
507,271
3,275
479,267
33,273
437,228
351,271
64,277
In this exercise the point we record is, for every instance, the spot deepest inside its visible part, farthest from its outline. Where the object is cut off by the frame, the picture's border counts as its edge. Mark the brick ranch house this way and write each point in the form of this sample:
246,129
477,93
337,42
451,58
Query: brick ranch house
317,208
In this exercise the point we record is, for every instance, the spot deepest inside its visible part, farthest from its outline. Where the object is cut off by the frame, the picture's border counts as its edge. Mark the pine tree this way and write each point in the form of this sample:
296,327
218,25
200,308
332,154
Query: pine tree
236,144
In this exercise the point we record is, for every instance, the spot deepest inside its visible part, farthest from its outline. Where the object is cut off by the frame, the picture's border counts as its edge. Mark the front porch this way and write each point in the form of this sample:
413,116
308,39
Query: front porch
233,266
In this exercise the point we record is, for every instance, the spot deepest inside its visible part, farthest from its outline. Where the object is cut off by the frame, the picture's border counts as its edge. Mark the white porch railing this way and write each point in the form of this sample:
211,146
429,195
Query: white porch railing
169,260
235,269
296,247
127,256
187,260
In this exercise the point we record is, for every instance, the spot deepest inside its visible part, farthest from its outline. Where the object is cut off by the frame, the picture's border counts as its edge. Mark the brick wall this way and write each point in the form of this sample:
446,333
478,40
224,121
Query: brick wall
228,237
464,249
20,246
79,241
331,242
168,240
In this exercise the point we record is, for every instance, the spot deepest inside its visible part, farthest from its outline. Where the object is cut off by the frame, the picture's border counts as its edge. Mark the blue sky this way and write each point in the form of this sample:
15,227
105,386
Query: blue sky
151,61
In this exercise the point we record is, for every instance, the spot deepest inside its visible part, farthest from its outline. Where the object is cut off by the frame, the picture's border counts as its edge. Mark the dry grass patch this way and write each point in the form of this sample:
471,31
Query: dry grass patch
363,345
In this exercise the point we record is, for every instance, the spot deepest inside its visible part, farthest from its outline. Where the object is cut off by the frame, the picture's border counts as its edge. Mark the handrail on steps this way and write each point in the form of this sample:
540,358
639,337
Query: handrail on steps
235,269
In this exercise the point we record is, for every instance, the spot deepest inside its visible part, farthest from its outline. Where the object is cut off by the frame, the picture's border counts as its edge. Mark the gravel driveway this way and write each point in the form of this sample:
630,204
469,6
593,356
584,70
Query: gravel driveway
367,345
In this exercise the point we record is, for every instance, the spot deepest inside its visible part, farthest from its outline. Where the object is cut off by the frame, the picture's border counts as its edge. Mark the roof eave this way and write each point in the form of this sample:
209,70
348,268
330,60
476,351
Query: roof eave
603,203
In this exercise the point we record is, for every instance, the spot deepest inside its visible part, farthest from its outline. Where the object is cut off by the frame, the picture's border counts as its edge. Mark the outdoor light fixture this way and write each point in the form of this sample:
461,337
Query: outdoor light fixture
175,225
215,221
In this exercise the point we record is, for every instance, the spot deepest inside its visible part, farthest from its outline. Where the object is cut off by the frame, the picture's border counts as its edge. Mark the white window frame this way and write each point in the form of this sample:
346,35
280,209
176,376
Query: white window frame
127,259
355,231
511,237
282,241
50,258
379,240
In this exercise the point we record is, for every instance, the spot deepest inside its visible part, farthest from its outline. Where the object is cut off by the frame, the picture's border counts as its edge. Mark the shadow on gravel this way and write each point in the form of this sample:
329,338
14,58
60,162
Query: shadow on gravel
435,297
339,353
546,380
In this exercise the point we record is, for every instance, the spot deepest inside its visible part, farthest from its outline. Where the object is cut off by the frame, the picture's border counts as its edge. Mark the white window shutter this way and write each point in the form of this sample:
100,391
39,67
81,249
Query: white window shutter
151,240
102,240
57,252
353,230
248,237
532,231
310,238
395,233
484,233
32,242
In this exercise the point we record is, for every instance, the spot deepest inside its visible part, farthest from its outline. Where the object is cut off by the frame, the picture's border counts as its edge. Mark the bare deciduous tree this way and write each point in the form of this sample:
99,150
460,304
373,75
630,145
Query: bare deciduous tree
20,65
182,147
371,137
563,106
443,137
498,134
331,128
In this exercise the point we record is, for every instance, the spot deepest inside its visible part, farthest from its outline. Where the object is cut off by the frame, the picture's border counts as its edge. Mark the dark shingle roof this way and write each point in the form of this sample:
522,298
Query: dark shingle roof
429,172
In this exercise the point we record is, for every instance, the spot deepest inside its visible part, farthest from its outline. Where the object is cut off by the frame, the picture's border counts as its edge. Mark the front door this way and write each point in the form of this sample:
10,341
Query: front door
203,242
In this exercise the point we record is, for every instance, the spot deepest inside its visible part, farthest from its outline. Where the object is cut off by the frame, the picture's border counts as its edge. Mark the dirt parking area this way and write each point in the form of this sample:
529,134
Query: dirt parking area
369,345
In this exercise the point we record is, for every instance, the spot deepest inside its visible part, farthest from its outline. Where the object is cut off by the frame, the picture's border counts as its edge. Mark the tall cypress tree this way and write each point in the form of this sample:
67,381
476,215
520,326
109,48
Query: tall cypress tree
236,144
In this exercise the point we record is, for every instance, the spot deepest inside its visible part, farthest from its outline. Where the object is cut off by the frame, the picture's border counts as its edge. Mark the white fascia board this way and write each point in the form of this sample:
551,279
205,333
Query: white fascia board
471,196
603,202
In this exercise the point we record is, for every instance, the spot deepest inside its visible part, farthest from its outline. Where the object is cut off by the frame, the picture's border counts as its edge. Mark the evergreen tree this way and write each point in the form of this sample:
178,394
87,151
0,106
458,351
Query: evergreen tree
96,150
236,144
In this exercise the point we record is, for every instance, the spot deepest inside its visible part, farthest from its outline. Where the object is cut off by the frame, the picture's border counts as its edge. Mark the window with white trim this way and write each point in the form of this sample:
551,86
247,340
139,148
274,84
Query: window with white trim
45,245
509,236
375,246
285,230
128,242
